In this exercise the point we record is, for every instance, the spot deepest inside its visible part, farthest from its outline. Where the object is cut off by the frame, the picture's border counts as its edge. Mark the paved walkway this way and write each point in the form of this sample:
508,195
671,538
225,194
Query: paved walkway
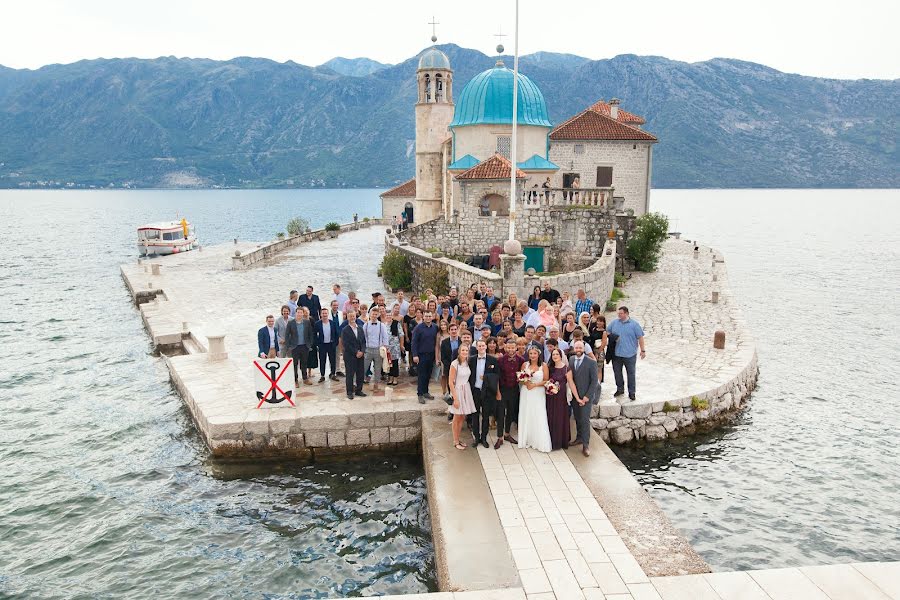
857,581
674,306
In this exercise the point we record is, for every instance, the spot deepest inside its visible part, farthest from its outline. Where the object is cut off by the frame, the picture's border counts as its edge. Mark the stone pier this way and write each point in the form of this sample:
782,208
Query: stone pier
509,524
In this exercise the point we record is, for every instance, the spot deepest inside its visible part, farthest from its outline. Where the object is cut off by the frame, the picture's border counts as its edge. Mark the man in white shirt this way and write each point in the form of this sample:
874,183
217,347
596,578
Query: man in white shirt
477,322
563,345
402,302
292,302
340,296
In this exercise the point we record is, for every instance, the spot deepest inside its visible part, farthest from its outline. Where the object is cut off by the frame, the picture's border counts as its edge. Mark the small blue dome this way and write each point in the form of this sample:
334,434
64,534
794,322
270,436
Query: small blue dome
487,99
434,59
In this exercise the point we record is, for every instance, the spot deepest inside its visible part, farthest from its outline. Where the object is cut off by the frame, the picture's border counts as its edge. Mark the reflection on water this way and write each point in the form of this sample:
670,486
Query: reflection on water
810,472
106,490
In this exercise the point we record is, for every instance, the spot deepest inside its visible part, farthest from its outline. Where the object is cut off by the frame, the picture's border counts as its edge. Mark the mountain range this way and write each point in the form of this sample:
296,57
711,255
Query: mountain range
251,122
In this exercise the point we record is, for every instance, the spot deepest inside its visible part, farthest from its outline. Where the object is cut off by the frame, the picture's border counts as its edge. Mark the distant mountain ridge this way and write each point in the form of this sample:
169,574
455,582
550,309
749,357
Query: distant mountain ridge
354,67
251,122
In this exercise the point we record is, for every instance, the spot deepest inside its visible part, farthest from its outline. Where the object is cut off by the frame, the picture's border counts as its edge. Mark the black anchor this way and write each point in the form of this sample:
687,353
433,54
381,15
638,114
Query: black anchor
273,369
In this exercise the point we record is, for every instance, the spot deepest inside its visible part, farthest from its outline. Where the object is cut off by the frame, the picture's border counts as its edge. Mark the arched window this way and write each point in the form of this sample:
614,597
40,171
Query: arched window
427,88
491,203
438,88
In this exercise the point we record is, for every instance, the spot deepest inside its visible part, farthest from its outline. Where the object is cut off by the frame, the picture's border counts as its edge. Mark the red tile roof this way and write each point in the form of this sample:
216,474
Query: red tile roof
407,189
591,125
624,116
495,167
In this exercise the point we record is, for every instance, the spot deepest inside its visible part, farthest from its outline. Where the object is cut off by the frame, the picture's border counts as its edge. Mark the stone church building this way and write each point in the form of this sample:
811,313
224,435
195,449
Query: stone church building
575,178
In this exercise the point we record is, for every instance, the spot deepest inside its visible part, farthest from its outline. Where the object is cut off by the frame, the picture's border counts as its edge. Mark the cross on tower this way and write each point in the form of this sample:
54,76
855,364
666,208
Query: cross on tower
434,25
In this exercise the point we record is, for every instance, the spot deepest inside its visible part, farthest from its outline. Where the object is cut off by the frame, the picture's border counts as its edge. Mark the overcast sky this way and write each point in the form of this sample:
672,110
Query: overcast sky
826,37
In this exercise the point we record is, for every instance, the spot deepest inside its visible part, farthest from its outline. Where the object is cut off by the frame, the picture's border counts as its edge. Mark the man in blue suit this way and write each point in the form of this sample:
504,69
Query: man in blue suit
267,340
326,339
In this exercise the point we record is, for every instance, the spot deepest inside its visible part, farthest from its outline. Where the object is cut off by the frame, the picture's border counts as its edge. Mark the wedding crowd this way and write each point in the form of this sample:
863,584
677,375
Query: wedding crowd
536,362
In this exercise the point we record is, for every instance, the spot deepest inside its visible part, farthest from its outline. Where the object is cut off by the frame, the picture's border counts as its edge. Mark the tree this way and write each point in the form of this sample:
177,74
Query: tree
645,245
297,225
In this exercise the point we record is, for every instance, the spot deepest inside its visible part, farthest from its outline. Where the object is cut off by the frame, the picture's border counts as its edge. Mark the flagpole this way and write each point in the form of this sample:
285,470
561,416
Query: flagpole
512,149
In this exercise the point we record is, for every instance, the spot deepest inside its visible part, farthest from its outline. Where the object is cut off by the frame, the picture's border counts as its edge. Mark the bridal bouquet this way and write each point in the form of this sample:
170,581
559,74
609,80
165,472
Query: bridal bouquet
552,387
523,376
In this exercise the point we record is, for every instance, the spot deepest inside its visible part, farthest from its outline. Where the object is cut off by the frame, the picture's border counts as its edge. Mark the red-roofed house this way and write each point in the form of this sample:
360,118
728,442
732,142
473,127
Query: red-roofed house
397,199
602,146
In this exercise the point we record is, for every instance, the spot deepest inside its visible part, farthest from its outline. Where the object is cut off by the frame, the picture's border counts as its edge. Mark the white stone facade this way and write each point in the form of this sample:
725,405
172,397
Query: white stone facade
631,162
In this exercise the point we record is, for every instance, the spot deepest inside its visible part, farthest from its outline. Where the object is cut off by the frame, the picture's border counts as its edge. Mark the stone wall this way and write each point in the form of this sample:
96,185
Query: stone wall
266,251
459,274
633,421
631,163
572,236
597,280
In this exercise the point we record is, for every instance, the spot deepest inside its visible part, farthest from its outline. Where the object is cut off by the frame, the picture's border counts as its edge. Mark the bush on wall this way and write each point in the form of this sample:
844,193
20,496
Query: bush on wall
396,270
645,245
434,276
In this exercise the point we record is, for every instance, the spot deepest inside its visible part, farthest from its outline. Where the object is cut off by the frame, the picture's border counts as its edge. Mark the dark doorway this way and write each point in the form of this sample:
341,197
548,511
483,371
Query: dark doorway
408,210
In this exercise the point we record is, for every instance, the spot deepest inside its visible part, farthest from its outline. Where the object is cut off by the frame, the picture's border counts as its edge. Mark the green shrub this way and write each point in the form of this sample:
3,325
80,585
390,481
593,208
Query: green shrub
620,279
610,306
616,295
396,270
297,225
698,404
365,219
667,407
434,276
645,244
332,226
280,235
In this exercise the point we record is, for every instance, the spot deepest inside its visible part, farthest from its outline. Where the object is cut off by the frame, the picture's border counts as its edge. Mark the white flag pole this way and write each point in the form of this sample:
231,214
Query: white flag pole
512,149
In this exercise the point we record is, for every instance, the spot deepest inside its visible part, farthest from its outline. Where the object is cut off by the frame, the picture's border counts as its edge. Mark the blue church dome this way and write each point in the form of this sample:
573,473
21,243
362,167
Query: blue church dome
487,99
434,59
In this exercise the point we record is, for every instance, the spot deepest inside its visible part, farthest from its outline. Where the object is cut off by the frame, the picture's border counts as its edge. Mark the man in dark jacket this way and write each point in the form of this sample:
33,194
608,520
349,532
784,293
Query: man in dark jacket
327,341
484,379
449,350
422,347
299,339
353,344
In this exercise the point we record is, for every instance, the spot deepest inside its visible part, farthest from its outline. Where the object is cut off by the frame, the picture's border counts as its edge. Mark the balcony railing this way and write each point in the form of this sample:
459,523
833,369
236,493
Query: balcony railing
592,197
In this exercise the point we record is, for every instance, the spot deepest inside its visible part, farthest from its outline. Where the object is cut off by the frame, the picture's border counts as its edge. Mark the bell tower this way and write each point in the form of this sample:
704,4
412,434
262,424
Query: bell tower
434,111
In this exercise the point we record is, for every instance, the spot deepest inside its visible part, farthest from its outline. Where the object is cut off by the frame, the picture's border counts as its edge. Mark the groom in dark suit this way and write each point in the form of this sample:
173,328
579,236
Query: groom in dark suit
585,386
484,379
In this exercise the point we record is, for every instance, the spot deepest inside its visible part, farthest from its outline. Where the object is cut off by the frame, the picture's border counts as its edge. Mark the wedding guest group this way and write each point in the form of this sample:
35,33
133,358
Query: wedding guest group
504,365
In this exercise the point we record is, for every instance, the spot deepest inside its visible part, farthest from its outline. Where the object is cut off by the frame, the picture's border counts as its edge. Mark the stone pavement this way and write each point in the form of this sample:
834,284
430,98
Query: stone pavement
674,306
856,581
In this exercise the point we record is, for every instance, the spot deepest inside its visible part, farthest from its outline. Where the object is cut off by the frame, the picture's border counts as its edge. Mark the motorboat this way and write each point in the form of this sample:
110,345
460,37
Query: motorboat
169,237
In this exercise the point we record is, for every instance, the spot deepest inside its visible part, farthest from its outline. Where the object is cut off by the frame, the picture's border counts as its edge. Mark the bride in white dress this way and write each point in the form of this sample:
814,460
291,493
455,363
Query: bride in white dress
534,432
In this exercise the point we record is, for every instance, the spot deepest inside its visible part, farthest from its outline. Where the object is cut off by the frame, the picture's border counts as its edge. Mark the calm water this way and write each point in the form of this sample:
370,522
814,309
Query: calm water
106,490
810,473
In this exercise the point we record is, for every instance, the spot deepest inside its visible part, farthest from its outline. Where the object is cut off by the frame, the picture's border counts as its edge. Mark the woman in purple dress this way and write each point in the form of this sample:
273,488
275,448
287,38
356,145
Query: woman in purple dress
557,404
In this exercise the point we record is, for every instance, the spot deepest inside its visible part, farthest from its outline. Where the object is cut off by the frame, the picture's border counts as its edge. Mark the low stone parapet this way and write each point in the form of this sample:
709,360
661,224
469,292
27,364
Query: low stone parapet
263,252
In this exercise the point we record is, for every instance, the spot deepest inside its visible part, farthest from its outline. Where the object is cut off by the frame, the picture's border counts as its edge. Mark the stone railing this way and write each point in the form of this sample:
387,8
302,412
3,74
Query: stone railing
585,197
597,280
458,273
268,250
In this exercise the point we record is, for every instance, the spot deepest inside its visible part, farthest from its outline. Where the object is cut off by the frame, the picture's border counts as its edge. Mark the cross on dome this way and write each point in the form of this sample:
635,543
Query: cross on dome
434,25
500,37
